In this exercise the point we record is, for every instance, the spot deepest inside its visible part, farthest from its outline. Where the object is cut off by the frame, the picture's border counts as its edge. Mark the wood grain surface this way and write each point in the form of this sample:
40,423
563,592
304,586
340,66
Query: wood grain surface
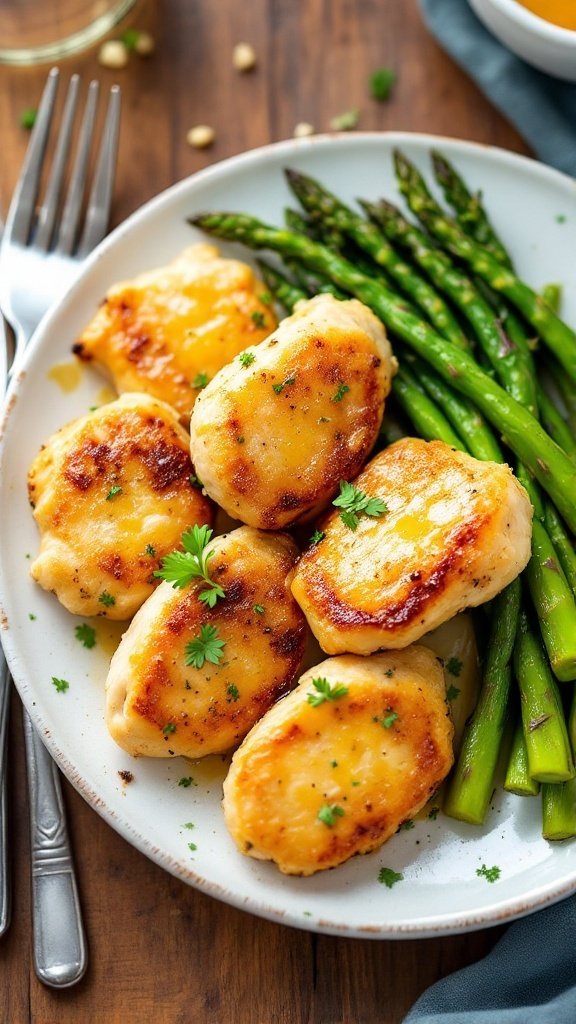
160,951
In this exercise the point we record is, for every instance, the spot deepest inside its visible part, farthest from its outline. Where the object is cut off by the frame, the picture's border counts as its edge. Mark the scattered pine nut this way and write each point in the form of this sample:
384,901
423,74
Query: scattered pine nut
113,54
302,129
243,57
200,136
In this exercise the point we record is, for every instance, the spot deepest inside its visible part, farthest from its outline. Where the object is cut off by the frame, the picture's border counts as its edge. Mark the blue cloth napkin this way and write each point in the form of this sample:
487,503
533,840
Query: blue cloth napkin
528,978
543,109
530,975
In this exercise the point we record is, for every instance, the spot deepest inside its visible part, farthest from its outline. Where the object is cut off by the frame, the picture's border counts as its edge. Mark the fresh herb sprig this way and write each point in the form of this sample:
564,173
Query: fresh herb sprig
181,567
325,692
207,646
355,503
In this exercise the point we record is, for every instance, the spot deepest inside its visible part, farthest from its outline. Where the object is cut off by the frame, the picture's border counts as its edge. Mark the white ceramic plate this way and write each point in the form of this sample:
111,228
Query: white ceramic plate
534,208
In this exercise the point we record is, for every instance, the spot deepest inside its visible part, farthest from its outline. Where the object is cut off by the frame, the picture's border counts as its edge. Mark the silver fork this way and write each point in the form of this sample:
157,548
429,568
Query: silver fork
42,252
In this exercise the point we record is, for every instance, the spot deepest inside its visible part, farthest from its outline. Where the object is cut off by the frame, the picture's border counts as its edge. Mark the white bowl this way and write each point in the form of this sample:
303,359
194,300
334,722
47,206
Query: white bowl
545,46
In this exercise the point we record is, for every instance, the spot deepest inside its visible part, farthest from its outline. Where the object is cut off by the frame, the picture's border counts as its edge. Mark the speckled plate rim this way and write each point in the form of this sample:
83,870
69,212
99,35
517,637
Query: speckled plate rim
488,911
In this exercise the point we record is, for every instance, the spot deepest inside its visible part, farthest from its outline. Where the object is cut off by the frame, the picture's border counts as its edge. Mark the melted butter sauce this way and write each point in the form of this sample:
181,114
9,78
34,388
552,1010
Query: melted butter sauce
558,12
66,375
108,634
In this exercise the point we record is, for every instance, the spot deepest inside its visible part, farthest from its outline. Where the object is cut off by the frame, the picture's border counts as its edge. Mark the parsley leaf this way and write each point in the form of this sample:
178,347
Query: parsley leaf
86,635
389,720
388,877
181,567
278,388
328,814
453,666
28,118
233,692
246,358
343,389
113,492
258,609
60,685
200,381
317,536
169,728
107,599
381,83
452,692
130,37
205,647
324,692
490,874
354,503
186,781
150,550
258,318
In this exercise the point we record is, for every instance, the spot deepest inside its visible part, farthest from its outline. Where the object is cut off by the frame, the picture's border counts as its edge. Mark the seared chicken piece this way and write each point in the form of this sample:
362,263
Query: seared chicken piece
158,703
275,430
455,533
319,780
168,331
112,494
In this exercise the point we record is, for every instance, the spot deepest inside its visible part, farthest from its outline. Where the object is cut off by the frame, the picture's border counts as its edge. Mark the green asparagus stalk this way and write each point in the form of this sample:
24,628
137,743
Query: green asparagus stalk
513,365
560,338
517,778
558,609
554,422
470,213
559,802
548,463
326,210
429,421
547,742
286,293
471,784
552,295
567,391
563,544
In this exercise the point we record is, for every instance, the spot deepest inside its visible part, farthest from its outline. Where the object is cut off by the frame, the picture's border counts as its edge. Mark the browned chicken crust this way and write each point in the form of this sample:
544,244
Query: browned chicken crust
455,533
273,435
158,705
314,784
169,331
112,494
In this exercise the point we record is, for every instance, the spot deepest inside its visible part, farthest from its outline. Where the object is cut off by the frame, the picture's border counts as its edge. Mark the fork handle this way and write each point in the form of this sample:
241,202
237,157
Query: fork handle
5,887
60,955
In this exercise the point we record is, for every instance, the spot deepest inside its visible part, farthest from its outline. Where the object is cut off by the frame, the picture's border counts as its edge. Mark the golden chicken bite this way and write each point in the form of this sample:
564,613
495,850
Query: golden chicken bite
192,680
168,331
336,766
275,430
455,531
112,493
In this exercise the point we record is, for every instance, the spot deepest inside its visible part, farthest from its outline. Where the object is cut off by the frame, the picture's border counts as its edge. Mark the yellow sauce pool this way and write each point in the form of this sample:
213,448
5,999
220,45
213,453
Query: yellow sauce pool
558,12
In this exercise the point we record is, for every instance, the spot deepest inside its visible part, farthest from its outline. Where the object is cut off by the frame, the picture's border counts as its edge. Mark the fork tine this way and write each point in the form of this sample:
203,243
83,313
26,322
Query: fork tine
73,204
98,212
22,207
49,208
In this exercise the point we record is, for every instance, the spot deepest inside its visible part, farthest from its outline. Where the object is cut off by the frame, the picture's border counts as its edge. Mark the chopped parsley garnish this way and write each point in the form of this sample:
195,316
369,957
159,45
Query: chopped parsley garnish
130,37
258,609
187,781
389,673
453,666
317,536
343,389
452,692
60,685
188,824
388,877
381,83
150,550
233,692
240,439
328,814
434,812
169,728
278,388
181,567
258,318
107,599
265,299
324,692
345,122
405,826
490,874
333,764
205,647
195,481
192,846
355,503
560,217
31,616
246,358
113,492
200,381
28,118
86,635
389,720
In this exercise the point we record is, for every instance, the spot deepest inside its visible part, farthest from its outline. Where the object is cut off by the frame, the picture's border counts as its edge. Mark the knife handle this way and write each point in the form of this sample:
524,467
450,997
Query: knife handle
60,955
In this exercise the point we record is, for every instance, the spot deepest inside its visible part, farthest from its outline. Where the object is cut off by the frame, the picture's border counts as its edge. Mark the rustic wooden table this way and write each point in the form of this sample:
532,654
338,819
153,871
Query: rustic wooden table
159,950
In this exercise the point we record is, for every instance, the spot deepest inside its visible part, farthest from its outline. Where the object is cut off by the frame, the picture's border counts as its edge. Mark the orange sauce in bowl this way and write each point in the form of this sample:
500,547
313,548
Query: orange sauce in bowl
558,12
